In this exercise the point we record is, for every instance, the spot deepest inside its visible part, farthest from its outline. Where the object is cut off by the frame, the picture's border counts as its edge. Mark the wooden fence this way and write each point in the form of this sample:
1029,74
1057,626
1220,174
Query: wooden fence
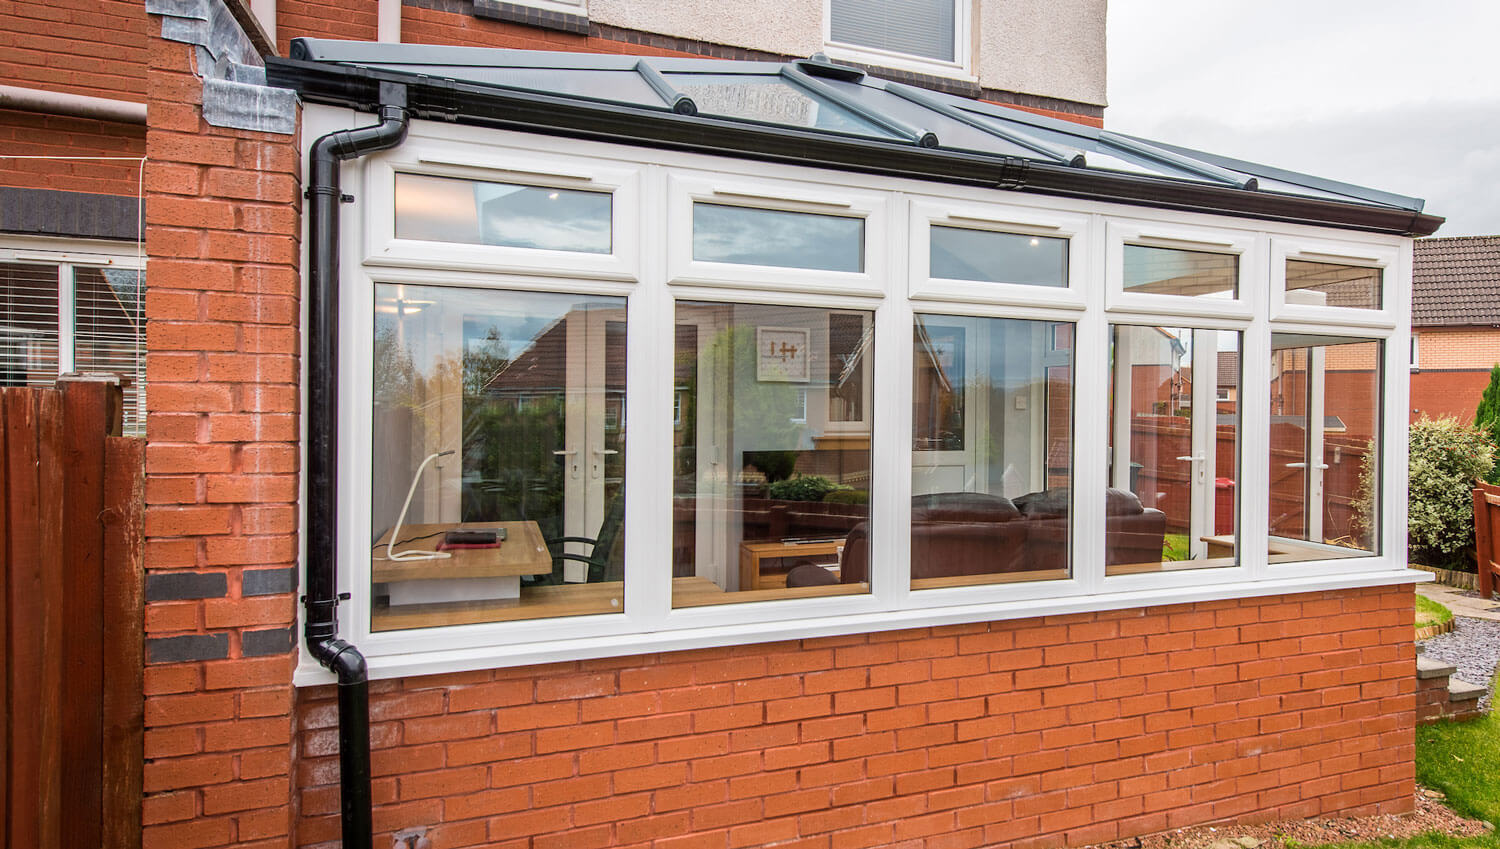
71,492
1487,536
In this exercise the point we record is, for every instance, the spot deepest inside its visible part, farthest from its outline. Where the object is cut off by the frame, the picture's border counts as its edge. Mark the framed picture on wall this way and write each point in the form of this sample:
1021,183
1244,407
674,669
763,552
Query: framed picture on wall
782,354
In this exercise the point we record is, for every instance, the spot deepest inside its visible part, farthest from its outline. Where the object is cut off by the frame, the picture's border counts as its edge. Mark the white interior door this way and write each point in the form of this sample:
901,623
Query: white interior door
948,361
585,452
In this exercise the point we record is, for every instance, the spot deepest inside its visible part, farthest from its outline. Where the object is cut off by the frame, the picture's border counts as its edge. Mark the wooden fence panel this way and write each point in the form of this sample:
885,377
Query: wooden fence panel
1487,536
71,633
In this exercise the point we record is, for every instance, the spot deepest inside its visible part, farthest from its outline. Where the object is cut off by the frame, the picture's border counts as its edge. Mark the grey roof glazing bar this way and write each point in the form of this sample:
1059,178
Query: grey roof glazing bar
1051,151
680,103
800,78
1192,166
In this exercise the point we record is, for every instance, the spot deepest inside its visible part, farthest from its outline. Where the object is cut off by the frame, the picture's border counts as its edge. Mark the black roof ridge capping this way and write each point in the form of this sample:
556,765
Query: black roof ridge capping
1075,158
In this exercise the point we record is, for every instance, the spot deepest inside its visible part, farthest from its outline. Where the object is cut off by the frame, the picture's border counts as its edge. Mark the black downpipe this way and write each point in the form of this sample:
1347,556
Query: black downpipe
321,629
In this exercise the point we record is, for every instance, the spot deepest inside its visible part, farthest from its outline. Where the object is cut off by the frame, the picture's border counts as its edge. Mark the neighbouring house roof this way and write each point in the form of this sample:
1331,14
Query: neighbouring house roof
1229,368
816,112
1456,282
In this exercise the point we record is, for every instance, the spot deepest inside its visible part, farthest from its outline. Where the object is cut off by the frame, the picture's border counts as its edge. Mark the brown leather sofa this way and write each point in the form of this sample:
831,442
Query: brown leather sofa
972,533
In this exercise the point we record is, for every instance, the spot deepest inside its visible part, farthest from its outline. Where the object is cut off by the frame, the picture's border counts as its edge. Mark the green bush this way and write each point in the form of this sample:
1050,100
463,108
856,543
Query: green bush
1487,416
847,496
1445,459
803,488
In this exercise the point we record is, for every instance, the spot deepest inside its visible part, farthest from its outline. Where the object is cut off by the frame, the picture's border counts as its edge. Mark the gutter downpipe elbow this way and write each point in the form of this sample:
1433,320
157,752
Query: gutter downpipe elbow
320,626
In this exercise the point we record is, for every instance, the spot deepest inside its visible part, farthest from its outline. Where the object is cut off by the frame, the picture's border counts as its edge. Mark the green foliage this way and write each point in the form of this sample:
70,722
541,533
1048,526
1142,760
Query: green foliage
847,496
1487,417
1445,458
1174,547
1430,612
804,488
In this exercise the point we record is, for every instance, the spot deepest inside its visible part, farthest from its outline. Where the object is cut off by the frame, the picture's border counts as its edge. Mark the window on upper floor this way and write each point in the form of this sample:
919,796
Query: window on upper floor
926,36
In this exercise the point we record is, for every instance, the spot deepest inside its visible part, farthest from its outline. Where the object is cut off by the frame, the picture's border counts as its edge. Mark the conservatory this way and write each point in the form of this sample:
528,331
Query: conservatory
646,354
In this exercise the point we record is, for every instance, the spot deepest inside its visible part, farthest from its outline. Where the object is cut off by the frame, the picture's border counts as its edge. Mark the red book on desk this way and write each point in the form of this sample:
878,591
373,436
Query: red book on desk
464,546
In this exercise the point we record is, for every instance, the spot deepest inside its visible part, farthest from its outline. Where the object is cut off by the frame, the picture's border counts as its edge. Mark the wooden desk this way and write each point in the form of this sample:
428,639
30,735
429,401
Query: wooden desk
752,553
469,574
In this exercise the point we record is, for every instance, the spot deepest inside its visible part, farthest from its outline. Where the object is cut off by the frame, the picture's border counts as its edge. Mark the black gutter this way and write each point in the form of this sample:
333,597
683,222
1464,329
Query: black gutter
481,105
321,628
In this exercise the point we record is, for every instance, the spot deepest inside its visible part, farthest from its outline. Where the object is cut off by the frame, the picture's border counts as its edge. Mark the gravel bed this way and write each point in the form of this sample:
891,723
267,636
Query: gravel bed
1473,646
1430,814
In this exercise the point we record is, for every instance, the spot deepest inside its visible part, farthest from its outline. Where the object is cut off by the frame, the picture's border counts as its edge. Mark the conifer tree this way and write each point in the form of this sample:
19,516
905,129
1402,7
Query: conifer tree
1487,417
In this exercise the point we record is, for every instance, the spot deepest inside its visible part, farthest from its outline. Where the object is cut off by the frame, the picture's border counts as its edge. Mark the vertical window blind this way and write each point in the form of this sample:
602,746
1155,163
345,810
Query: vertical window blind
28,324
107,332
919,27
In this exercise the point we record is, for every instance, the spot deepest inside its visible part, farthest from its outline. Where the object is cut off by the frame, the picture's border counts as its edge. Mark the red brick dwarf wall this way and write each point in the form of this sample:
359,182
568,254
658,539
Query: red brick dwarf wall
221,471
1042,732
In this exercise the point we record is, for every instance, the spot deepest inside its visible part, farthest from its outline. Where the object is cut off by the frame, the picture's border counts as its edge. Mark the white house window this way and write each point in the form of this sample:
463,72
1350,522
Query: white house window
931,32
1326,401
1175,450
476,212
1170,271
771,237
64,312
992,445
1332,284
498,469
773,493
850,405
960,253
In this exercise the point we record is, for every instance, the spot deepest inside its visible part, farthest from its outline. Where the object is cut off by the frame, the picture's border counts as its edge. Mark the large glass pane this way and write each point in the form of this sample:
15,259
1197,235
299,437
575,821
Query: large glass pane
992,450
1332,285
750,236
499,450
445,209
772,453
1325,447
1174,449
107,333
28,324
1193,274
985,255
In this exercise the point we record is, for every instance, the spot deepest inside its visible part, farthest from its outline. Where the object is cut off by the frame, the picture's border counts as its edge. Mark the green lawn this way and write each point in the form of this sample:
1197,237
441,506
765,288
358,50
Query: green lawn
1174,547
1430,612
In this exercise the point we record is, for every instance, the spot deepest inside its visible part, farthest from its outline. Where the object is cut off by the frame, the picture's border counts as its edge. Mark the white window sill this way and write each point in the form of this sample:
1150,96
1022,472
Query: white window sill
309,673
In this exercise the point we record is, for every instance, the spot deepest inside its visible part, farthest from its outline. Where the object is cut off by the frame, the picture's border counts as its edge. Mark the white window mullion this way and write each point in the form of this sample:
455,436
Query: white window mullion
66,316
890,502
1091,421
1253,478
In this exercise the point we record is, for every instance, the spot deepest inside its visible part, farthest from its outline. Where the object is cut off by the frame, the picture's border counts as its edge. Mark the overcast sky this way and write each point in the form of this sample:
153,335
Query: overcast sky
1401,96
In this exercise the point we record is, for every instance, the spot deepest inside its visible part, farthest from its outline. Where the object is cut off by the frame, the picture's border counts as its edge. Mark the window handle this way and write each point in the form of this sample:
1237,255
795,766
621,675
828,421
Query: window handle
604,452
1305,465
1196,458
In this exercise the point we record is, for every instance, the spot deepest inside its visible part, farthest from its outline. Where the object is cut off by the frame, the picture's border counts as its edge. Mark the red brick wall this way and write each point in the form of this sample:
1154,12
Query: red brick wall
352,20
1435,394
93,47
90,47
221,471
1039,732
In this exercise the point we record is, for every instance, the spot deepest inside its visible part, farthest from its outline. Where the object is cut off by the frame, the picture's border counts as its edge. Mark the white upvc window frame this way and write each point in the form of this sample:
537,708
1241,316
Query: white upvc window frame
662,273
962,66
467,160
687,188
1334,252
66,255
1173,235
927,212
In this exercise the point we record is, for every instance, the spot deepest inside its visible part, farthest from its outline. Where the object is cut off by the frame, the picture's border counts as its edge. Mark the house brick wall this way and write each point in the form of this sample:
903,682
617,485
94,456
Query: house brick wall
92,47
1066,730
221,471
88,47
1459,348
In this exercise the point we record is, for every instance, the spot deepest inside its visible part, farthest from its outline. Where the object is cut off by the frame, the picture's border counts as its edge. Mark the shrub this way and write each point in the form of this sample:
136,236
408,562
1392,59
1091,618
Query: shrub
1445,459
1487,416
847,496
803,488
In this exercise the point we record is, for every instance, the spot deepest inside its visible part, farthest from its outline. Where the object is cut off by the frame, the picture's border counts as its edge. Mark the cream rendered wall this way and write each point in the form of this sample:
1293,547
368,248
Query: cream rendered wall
1052,48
